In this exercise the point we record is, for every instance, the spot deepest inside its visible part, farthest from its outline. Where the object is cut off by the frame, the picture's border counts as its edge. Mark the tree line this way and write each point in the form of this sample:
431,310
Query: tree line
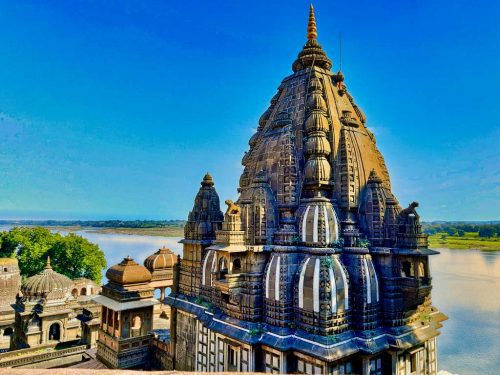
484,230
71,255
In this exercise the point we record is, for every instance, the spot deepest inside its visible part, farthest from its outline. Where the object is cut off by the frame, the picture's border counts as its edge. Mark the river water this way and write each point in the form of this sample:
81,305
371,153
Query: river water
466,288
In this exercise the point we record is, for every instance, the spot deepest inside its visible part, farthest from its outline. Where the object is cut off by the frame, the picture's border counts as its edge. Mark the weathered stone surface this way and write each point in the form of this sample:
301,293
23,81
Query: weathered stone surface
316,267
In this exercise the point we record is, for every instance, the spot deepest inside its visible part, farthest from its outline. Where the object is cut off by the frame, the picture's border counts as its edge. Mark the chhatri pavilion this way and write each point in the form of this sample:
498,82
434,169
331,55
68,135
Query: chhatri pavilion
316,268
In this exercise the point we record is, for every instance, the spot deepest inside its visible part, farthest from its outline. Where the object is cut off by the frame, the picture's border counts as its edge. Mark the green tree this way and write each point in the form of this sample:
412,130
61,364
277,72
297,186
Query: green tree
72,255
487,231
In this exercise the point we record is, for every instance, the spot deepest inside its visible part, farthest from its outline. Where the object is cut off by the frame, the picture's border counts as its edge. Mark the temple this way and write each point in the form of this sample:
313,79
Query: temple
316,268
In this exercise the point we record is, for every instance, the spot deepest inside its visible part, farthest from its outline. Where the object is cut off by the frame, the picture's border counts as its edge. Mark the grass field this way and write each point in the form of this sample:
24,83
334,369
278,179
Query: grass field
468,241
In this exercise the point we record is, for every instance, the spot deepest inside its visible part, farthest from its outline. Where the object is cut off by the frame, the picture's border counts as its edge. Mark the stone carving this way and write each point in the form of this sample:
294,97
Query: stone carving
232,209
315,242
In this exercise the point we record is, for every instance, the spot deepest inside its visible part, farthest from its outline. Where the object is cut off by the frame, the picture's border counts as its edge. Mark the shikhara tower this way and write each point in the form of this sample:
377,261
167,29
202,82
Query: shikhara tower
316,268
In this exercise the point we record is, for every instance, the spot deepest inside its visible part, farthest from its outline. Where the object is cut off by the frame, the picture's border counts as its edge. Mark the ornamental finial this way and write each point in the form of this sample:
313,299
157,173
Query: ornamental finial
48,266
311,26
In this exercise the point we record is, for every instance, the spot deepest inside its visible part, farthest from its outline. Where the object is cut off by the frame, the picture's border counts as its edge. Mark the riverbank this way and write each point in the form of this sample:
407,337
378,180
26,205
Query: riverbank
167,231
470,241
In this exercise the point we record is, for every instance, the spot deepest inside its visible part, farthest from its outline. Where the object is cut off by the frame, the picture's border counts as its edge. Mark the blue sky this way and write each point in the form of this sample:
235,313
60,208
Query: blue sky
116,109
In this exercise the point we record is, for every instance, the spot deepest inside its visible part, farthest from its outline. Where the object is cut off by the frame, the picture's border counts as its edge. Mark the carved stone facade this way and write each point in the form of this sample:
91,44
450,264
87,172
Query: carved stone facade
10,282
127,316
316,268
49,310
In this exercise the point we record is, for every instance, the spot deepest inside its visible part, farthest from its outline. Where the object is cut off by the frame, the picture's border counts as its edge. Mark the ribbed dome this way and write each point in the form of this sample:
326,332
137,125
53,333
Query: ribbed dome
163,258
319,224
318,170
316,101
323,287
128,272
317,122
317,144
47,283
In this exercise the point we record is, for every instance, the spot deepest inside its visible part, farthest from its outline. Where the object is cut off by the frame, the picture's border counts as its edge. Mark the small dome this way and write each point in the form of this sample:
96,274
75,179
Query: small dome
128,272
318,170
319,224
317,144
316,101
315,85
322,290
163,258
317,122
47,283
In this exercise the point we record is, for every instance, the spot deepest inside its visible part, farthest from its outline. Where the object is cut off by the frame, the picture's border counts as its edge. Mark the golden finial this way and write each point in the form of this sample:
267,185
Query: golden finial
48,266
311,26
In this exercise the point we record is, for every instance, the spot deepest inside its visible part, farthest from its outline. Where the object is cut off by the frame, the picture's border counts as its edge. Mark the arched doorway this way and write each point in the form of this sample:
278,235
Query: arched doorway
55,332
83,292
157,293
222,268
74,292
8,331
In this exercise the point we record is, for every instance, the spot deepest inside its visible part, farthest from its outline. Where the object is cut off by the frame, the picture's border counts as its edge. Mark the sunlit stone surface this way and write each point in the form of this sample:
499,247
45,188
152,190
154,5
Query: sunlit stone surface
316,268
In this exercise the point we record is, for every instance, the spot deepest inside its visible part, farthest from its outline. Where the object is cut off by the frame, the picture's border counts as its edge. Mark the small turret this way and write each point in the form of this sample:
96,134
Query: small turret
206,216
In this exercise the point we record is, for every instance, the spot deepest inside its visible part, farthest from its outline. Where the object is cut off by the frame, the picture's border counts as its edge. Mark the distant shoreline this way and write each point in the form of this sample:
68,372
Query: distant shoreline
470,241
167,231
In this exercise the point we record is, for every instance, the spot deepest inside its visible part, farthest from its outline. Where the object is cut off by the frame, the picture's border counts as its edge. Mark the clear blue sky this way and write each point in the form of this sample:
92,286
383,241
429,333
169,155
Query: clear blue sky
116,109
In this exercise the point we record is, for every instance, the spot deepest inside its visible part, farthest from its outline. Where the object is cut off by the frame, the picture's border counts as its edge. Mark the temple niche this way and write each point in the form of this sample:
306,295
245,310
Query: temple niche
50,309
315,268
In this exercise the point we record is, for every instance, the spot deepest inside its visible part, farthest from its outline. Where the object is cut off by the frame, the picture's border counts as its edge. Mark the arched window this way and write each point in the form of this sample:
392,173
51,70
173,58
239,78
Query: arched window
168,291
83,292
407,269
8,331
421,269
136,322
157,293
236,266
222,268
55,332
74,292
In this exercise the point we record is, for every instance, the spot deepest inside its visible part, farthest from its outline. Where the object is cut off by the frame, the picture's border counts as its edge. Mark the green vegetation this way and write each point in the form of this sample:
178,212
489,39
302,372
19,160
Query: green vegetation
163,228
464,235
72,255
468,240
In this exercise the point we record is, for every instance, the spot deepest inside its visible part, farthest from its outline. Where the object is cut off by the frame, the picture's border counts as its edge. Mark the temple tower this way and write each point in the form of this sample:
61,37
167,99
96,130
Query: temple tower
127,316
316,268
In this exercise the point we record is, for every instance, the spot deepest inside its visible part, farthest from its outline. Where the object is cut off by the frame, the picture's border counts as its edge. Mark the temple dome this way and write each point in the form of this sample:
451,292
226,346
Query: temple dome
319,224
128,272
47,283
162,259
323,289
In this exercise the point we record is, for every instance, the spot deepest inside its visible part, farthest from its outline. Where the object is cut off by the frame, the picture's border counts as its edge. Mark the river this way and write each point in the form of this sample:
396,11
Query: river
466,288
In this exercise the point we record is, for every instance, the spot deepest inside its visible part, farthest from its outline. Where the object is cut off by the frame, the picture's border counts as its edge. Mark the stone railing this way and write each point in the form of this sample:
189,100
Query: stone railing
28,356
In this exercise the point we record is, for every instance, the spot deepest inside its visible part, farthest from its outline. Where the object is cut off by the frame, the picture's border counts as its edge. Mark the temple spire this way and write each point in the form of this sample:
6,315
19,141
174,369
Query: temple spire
312,54
47,265
311,26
